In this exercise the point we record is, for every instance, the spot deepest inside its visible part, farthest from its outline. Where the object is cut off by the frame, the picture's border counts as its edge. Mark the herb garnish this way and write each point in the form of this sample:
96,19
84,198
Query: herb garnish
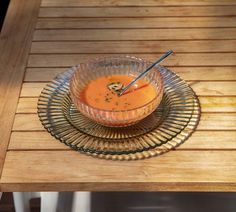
115,86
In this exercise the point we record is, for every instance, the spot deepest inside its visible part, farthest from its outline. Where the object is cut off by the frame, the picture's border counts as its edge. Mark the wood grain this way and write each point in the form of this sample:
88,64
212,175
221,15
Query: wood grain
15,40
32,89
208,121
200,87
218,104
139,186
214,88
129,23
85,3
134,34
187,73
214,140
131,47
180,59
38,141
42,140
206,11
208,104
44,74
217,121
33,123
205,73
27,105
58,167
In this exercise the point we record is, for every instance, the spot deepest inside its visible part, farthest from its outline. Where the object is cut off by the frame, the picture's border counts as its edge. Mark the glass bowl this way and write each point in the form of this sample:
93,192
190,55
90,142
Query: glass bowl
116,65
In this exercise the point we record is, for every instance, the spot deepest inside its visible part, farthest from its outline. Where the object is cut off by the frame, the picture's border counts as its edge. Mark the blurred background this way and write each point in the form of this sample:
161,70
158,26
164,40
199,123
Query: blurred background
145,202
3,9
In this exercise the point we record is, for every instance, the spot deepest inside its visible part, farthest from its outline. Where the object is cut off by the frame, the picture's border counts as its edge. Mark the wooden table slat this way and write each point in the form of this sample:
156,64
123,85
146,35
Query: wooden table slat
15,40
134,34
187,73
37,141
132,47
130,23
42,140
139,11
179,167
209,121
27,105
180,59
85,3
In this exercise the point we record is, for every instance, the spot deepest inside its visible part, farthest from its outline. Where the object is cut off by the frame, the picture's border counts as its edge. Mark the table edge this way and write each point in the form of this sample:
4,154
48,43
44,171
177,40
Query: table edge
118,186
15,41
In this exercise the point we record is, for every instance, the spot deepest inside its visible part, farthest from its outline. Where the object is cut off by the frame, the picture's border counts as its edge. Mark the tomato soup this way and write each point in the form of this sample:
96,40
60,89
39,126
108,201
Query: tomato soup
102,93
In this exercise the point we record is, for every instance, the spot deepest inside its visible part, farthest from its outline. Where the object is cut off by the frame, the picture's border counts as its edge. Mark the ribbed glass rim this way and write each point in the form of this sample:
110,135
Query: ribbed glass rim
96,59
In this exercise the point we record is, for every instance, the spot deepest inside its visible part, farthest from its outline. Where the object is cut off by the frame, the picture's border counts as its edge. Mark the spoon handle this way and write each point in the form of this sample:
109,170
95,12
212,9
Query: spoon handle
145,72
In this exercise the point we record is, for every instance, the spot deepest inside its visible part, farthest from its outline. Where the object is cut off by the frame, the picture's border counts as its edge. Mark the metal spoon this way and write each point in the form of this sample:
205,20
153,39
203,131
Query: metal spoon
145,72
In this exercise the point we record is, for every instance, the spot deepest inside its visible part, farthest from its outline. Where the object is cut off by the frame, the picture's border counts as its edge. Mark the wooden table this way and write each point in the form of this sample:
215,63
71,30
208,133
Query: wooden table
42,38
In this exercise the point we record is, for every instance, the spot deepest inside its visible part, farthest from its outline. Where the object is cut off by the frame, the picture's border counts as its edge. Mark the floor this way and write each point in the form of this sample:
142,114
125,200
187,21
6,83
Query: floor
164,202
147,202
6,203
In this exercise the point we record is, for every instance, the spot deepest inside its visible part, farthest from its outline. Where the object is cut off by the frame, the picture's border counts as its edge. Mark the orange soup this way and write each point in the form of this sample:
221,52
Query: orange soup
102,93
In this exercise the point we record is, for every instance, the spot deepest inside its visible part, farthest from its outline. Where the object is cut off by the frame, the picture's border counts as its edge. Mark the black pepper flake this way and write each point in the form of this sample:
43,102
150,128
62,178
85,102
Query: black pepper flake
107,99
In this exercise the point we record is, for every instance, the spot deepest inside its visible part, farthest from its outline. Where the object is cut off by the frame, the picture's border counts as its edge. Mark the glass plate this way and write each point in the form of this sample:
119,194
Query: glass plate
167,127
